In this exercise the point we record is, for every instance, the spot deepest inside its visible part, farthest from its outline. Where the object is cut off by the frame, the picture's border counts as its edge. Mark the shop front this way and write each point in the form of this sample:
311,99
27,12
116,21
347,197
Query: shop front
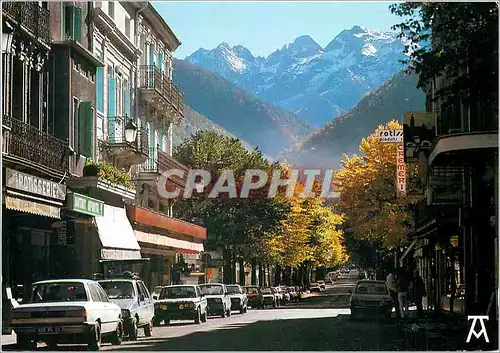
31,205
173,245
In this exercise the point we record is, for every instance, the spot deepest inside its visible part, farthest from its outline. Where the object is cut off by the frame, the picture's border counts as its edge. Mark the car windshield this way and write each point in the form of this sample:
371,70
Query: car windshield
59,292
233,289
209,289
178,292
267,291
371,288
252,290
118,289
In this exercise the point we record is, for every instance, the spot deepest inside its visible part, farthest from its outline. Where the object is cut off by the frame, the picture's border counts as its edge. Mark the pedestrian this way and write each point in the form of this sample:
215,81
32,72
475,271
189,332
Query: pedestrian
393,290
418,292
403,285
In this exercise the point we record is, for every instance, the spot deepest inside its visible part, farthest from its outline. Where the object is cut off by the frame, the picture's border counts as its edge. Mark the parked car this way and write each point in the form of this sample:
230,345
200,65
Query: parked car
238,297
181,302
371,298
322,285
269,297
293,294
315,287
287,298
254,296
132,296
218,299
155,294
67,311
280,296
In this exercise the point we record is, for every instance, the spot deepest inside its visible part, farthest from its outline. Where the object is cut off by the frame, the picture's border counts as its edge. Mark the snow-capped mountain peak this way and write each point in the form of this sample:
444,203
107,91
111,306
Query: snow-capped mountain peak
316,83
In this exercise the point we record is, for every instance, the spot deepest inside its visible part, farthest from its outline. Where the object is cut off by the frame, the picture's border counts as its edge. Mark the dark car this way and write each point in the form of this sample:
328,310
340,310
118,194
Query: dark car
181,302
254,296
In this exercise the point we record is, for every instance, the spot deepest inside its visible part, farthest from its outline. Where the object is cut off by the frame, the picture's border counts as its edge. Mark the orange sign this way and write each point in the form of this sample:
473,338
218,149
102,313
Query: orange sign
401,170
209,272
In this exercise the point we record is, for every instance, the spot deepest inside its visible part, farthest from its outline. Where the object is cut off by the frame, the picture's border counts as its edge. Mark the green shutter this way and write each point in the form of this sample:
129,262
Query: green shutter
68,20
160,60
151,55
111,108
86,129
100,89
77,24
126,100
160,138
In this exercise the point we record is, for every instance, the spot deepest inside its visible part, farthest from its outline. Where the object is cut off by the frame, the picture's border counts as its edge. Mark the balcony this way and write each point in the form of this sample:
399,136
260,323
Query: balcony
157,163
34,148
123,152
159,90
31,17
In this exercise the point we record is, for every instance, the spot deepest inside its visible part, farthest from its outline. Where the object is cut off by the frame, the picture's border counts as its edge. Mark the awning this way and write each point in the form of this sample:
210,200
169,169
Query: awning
33,207
116,235
181,246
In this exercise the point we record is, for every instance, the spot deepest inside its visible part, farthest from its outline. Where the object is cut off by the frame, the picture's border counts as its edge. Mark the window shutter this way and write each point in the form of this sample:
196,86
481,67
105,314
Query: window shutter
126,100
151,55
68,22
160,60
100,89
160,139
86,129
111,108
77,24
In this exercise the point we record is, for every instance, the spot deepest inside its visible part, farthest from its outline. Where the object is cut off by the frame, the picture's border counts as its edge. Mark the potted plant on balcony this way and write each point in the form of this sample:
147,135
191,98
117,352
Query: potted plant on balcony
107,172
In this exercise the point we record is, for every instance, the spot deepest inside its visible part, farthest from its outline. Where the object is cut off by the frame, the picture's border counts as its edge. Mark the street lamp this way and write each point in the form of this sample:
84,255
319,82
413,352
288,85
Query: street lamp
130,131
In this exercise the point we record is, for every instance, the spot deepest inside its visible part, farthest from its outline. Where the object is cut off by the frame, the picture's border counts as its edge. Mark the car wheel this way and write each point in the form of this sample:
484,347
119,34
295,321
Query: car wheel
204,316
148,329
26,343
95,338
229,313
242,309
223,314
245,309
116,338
197,319
134,330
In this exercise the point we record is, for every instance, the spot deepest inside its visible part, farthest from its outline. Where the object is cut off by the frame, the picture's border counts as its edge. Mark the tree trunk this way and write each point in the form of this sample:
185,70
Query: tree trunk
261,276
242,272
269,274
254,272
277,275
227,271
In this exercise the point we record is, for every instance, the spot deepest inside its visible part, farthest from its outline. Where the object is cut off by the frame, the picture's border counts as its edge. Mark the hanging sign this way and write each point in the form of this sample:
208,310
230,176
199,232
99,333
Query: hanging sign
400,170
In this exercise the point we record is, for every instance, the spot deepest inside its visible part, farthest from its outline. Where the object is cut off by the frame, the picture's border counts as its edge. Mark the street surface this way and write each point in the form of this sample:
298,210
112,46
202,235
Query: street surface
320,322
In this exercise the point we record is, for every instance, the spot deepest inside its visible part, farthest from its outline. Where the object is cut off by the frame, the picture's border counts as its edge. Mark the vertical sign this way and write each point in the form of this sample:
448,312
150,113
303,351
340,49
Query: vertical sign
401,170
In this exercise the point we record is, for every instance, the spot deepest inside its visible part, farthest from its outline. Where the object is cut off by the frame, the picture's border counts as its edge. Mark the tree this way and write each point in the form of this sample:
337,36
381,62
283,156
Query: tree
368,192
458,40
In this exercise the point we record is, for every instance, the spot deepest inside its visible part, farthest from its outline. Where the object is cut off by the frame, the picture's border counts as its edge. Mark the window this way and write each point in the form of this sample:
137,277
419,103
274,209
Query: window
94,293
111,9
100,126
59,292
72,23
371,288
74,123
85,127
127,27
118,289
144,289
102,294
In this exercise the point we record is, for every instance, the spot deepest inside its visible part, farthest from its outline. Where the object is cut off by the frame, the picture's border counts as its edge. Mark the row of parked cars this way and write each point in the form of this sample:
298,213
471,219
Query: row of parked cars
80,311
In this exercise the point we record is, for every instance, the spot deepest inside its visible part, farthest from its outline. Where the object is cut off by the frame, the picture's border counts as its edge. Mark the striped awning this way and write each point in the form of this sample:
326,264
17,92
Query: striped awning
33,207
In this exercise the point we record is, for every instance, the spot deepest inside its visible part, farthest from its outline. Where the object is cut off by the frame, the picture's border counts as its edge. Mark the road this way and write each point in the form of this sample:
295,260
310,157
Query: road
321,322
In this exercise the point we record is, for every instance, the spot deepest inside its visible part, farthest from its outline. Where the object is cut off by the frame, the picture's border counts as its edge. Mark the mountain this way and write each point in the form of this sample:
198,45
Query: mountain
313,82
193,122
259,123
324,148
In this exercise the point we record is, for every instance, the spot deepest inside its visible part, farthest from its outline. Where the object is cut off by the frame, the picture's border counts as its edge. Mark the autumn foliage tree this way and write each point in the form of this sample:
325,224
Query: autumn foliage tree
368,198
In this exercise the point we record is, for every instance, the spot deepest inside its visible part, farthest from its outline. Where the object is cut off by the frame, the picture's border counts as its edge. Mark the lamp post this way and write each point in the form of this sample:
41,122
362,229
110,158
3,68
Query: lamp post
130,131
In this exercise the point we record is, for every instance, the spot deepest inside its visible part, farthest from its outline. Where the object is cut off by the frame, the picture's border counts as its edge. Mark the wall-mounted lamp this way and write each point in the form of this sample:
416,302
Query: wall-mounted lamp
130,131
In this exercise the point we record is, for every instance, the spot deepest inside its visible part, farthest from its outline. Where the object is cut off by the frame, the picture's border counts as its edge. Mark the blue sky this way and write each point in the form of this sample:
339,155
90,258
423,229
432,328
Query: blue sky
264,27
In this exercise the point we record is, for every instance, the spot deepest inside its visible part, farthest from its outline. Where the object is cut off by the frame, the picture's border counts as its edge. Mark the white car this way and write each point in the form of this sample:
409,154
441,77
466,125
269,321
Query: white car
67,311
322,285
315,287
238,297
371,298
218,299
280,296
269,297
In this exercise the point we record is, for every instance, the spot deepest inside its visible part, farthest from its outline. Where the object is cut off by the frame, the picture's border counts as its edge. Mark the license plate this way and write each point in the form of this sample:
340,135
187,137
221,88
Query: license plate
48,330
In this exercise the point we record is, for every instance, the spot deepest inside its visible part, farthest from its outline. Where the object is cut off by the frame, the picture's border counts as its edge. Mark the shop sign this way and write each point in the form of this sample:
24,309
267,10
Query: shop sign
13,203
84,204
400,171
390,136
34,185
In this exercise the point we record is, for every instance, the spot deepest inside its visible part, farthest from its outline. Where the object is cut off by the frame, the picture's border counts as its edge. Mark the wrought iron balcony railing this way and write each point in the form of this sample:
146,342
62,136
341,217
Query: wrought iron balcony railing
152,78
116,134
159,161
27,143
31,16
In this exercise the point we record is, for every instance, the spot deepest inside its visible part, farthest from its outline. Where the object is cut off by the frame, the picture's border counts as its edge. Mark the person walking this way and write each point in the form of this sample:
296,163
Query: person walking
418,292
403,285
393,290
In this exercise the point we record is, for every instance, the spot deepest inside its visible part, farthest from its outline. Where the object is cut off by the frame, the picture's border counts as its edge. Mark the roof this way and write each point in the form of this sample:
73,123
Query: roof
179,285
370,281
212,284
65,281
